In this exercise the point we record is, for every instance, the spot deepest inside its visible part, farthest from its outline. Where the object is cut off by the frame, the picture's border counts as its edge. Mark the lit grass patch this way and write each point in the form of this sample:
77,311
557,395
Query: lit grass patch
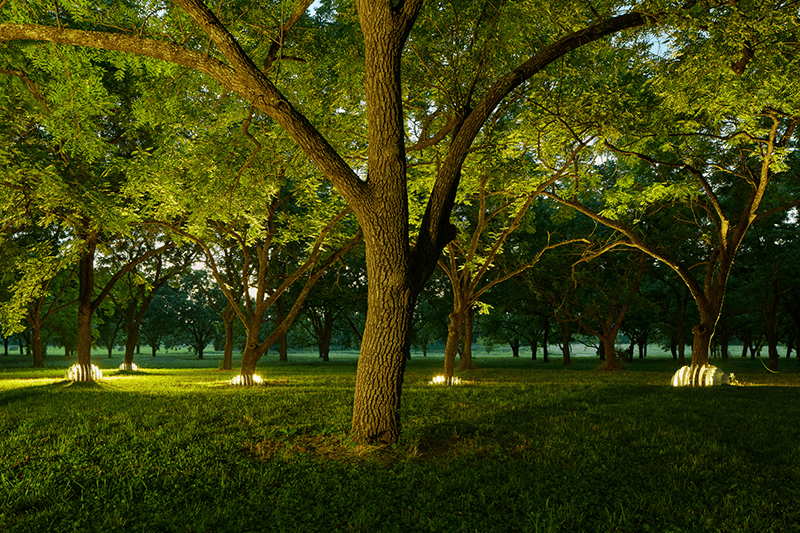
521,448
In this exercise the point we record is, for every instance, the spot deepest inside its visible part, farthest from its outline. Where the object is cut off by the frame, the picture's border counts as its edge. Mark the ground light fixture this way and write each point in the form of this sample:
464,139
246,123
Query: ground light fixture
701,376
444,380
247,381
84,373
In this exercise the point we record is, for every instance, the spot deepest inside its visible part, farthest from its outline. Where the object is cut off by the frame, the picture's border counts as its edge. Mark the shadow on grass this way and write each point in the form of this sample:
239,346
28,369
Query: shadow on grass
36,390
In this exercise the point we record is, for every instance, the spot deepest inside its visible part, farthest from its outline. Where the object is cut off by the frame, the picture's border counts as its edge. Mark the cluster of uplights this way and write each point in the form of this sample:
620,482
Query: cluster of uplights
246,381
444,380
84,373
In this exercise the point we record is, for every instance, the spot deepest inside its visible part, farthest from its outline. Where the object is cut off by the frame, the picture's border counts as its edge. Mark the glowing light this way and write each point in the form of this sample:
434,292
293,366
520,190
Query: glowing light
247,381
130,368
84,373
444,380
698,376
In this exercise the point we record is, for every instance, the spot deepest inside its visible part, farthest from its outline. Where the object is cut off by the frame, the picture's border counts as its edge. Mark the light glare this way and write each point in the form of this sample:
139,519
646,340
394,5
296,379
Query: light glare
444,380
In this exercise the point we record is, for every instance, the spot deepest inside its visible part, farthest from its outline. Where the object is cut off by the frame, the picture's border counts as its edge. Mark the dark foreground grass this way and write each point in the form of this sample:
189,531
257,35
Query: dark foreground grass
518,448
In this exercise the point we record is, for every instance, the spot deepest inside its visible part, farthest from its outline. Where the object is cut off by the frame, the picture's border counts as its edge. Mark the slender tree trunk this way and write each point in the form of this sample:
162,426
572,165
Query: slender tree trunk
36,342
327,334
132,336
514,345
454,330
772,342
724,338
85,310
323,331
546,340
566,340
466,353
681,326
283,354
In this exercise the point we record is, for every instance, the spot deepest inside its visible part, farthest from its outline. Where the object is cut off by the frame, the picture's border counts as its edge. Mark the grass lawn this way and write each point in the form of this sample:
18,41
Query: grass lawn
522,446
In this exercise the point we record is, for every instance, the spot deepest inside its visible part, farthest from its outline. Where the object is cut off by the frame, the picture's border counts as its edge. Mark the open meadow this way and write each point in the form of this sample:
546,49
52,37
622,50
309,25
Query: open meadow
519,446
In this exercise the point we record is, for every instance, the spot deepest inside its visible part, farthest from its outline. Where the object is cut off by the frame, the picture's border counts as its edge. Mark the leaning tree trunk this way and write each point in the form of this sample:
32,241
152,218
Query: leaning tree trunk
283,354
228,316
250,354
466,353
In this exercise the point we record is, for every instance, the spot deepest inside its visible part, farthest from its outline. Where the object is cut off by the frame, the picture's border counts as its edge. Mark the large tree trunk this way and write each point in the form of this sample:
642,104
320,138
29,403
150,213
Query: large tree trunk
607,343
701,343
381,363
382,210
250,355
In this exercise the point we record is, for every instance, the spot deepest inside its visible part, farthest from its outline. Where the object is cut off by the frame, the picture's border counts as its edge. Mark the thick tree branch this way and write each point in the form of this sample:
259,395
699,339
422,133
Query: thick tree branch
240,76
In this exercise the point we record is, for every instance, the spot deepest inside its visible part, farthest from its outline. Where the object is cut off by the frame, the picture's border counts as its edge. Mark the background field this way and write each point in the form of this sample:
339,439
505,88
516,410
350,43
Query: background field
522,446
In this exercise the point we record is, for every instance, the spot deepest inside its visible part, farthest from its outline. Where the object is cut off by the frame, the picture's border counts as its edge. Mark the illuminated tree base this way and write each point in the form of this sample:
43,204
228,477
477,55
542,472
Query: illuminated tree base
247,380
129,367
84,373
699,376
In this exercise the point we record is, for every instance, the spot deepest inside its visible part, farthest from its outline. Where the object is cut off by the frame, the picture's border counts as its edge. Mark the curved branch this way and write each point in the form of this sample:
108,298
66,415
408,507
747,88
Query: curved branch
435,227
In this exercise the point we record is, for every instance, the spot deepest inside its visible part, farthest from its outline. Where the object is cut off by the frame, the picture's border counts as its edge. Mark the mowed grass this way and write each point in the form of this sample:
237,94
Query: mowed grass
522,446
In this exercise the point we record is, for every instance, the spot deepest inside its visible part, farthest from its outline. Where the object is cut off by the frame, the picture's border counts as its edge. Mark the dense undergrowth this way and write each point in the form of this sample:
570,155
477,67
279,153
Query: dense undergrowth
519,447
